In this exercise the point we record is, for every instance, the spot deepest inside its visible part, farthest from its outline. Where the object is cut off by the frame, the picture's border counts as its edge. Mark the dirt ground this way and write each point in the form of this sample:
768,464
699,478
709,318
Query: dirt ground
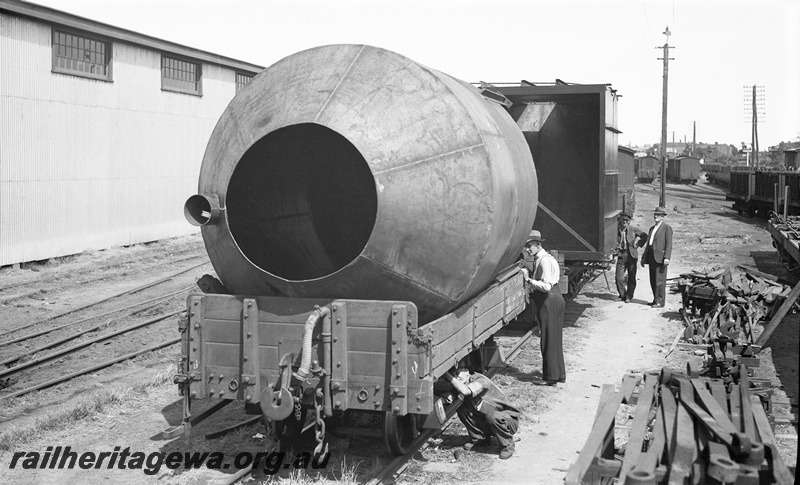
133,401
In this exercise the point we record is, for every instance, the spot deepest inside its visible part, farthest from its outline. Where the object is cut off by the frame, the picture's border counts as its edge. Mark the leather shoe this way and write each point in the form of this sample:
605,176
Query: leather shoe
658,305
651,303
477,444
507,451
627,300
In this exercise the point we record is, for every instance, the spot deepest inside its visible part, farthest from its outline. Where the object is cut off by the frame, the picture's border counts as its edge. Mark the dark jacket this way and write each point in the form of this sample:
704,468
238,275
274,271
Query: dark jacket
491,395
631,233
662,243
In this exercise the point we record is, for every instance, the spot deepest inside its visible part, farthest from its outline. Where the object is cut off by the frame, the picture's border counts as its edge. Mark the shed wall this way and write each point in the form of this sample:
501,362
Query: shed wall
88,164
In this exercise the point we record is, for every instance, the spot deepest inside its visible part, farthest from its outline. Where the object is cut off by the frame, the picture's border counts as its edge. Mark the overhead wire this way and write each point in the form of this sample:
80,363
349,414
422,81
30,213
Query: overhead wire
647,22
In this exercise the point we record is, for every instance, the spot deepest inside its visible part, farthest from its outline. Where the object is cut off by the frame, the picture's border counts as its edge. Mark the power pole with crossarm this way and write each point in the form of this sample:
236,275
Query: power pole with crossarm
666,59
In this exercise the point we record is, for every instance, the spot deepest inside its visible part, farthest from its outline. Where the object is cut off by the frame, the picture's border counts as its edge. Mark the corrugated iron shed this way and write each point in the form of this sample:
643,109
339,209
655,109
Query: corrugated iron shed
101,158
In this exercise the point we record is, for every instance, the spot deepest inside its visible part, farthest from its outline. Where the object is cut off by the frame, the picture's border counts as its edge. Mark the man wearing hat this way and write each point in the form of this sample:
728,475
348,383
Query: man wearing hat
657,253
486,411
627,255
542,275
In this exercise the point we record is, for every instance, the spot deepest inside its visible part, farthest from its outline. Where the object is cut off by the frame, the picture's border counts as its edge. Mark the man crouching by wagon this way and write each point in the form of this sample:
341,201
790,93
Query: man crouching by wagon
485,412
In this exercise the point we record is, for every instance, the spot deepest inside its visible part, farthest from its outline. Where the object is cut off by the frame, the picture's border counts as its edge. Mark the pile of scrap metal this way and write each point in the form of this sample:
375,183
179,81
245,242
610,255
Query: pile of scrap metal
729,302
684,429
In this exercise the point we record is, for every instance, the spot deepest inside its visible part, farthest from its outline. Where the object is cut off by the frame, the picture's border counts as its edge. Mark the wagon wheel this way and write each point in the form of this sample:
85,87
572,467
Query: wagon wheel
398,432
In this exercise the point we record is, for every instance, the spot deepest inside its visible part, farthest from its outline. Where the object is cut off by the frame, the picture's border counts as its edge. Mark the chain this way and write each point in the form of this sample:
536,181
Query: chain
297,415
319,425
416,339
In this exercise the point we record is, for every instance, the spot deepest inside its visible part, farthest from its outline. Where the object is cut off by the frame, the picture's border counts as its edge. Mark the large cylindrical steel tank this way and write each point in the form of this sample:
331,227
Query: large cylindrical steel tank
349,171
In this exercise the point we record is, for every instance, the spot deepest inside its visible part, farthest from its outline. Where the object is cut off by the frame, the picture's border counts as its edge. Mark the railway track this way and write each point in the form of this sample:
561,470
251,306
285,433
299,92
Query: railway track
68,279
96,343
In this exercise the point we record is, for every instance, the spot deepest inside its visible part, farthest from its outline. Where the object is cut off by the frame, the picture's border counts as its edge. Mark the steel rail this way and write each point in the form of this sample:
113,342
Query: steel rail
398,464
91,369
230,479
128,292
99,269
44,332
38,362
85,331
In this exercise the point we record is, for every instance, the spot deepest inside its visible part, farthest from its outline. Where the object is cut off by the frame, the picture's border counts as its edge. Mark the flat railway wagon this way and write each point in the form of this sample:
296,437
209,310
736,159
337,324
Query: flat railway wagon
720,173
683,169
648,169
717,173
785,232
763,192
365,215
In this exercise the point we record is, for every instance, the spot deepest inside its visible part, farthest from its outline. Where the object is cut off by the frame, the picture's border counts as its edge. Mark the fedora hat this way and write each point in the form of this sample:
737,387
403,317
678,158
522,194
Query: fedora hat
626,214
534,236
660,211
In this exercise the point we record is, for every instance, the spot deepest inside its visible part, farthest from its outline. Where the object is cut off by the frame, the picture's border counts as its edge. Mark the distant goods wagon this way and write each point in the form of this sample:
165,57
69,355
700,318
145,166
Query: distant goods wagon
683,169
764,192
648,169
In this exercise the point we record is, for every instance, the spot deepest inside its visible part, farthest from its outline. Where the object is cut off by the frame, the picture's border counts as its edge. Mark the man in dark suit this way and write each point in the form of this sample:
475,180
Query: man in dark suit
657,253
627,255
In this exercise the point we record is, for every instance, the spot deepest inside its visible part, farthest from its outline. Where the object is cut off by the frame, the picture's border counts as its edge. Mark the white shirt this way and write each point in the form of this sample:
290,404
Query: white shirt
653,234
545,271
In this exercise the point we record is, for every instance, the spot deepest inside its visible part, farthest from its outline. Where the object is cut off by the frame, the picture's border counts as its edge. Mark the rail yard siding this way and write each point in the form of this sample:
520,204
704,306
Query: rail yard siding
88,164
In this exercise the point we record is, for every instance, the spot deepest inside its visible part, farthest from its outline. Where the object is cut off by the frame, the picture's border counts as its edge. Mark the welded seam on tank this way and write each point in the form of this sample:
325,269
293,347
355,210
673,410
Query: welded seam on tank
341,80
424,160
414,282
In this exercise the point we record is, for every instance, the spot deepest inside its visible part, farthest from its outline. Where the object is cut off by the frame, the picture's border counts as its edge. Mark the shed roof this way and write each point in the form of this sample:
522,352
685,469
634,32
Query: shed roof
53,16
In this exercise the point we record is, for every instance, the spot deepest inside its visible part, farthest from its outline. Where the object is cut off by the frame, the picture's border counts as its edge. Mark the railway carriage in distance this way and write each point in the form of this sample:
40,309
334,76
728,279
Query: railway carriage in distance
366,214
683,169
648,169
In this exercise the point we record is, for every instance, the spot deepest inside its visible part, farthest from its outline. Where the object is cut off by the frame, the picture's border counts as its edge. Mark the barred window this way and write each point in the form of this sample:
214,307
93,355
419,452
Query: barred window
242,80
81,55
181,76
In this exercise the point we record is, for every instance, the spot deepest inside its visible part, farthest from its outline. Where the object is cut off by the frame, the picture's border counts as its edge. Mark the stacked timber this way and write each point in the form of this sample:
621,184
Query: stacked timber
683,429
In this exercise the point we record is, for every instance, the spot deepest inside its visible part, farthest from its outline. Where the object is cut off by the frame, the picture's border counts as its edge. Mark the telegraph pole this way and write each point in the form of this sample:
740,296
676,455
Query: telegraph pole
754,102
666,59
755,129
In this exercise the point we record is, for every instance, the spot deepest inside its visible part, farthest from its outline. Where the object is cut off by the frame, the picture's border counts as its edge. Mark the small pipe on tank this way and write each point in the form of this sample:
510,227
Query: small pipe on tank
202,209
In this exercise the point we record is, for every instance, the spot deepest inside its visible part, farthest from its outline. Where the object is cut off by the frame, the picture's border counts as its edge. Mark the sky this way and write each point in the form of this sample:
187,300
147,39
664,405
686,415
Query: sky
721,48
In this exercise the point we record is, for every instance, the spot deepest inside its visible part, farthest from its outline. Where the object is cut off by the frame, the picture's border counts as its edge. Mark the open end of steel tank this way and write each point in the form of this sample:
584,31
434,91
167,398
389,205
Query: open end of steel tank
349,171
282,213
